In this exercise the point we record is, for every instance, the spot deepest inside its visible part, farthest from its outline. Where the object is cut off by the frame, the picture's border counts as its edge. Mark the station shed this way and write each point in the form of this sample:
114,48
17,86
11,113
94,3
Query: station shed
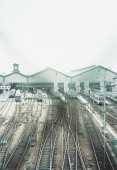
1,79
93,74
15,77
42,79
47,77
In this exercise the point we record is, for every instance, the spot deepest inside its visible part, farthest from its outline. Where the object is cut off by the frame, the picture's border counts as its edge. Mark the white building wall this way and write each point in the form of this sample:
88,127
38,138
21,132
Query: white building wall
47,76
114,85
86,87
66,88
56,86
15,78
1,79
77,85
97,75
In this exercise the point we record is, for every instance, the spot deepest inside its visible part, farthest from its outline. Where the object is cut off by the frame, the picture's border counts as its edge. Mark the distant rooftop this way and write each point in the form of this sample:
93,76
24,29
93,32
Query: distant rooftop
79,71
3,74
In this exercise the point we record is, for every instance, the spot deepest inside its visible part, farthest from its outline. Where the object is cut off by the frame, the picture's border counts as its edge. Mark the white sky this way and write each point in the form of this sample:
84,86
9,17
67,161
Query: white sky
62,34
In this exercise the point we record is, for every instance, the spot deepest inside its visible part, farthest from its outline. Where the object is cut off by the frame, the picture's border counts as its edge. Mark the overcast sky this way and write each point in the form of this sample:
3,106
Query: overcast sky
62,34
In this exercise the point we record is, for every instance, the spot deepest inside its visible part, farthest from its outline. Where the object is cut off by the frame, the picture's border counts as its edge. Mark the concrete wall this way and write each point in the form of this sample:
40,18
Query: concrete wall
1,79
15,78
47,76
50,76
97,74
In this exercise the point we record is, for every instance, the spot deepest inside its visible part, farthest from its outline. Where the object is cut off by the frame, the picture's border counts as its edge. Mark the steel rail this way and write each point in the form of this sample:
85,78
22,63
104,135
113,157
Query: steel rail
6,161
52,142
76,141
67,152
14,150
4,106
43,145
95,152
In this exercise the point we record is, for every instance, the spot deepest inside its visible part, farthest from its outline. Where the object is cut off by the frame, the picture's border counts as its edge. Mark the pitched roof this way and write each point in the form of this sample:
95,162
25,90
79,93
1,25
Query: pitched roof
79,71
15,73
48,68
86,69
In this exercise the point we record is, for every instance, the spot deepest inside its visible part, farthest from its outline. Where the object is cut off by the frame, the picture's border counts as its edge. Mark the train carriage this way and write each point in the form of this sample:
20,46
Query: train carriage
39,97
112,96
12,93
55,95
98,98
18,96
71,94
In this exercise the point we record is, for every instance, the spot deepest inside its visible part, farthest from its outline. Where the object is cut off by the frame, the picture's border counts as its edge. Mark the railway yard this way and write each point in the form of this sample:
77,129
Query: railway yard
55,121
58,85
57,134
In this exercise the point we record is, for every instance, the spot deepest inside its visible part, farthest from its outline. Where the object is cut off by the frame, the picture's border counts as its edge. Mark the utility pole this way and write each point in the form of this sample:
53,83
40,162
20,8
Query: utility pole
104,110
104,114
93,94
104,95
103,92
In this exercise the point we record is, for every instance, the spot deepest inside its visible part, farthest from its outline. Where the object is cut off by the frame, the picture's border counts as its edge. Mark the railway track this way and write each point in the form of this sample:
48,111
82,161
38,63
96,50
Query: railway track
73,124
5,110
48,143
13,159
102,155
103,158
10,124
72,156
60,147
113,111
111,114
110,118
4,104
8,133
16,119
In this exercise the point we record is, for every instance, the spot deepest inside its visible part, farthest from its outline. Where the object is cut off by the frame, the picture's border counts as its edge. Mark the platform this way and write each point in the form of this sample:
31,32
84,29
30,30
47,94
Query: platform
97,117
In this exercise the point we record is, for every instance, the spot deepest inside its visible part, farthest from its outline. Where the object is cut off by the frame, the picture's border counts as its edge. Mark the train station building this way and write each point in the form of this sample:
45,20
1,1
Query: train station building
47,77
